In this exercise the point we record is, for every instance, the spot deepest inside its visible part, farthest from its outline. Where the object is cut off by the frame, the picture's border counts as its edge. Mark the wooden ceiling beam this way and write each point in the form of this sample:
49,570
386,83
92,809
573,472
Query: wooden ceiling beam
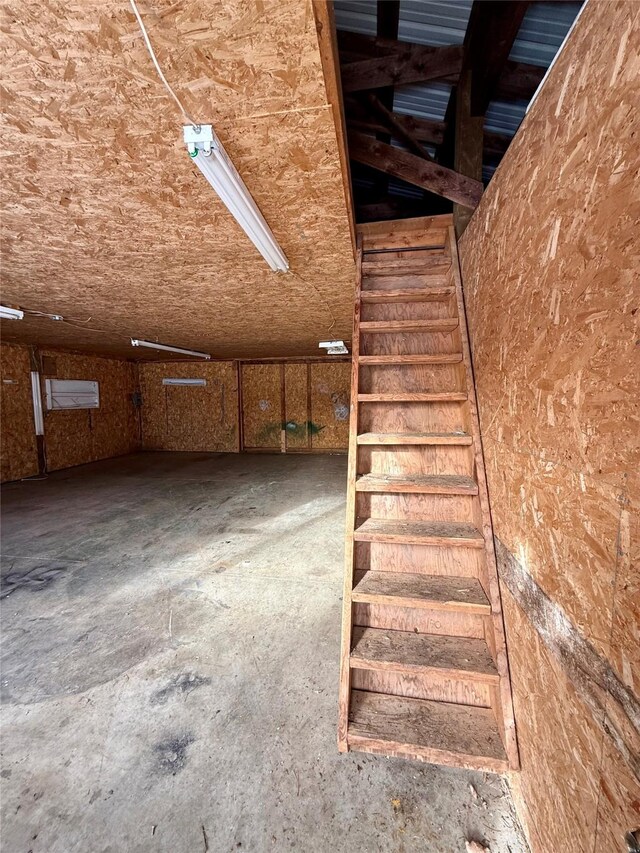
412,64
519,81
492,29
415,170
397,128
431,132
387,23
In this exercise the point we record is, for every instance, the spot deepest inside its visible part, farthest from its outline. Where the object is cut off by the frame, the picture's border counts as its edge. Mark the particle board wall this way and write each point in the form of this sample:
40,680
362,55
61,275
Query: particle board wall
189,418
18,449
74,437
330,393
296,397
303,403
550,266
262,406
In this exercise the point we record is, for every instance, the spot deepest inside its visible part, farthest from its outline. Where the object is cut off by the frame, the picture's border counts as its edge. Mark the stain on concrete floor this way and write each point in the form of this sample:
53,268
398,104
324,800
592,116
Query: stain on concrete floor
174,682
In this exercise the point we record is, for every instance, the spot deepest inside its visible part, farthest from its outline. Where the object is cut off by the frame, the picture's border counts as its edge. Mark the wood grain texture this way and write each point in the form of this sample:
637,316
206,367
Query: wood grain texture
18,449
419,532
406,589
553,320
414,438
297,415
428,484
330,400
86,435
262,405
404,651
183,418
437,732
117,224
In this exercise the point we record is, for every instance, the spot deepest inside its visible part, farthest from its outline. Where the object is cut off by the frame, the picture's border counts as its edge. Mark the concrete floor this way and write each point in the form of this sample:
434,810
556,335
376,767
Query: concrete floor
171,629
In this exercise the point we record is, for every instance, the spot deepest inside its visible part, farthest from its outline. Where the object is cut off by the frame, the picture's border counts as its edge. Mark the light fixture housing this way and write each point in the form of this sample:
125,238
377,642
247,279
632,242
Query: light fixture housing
334,347
207,152
135,342
11,313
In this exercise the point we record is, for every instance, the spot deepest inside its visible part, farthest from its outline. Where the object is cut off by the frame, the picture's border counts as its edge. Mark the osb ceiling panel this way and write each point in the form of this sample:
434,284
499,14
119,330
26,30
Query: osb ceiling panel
108,222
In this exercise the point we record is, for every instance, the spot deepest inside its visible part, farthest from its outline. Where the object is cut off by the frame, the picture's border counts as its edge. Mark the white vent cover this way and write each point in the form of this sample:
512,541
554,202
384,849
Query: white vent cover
72,394
184,381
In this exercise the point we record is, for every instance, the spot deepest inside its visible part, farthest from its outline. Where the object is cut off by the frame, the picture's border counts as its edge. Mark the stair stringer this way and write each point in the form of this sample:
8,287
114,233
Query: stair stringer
500,649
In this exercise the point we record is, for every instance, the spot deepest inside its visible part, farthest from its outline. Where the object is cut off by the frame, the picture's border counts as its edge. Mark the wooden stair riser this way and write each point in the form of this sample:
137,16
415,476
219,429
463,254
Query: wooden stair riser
436,686
407,506
418,304
413,240
412,378
419,620
425,559
435,297
432,280
420,459
413,417
405,263
409,343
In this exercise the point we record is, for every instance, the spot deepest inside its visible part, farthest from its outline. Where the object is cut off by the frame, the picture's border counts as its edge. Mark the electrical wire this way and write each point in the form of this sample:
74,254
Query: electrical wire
147,41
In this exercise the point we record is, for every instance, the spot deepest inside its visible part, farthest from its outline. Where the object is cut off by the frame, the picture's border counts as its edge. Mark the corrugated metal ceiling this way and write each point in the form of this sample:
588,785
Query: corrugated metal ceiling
439,23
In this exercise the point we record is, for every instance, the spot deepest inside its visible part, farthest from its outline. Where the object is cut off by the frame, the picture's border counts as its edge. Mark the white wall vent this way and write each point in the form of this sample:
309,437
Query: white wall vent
72,394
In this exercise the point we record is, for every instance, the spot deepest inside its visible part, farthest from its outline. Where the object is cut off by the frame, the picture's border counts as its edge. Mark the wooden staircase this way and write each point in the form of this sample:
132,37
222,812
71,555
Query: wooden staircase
424,671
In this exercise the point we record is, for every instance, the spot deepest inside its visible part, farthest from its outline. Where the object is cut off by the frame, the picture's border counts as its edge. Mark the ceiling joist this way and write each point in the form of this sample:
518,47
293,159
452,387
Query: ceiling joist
415,170
411,64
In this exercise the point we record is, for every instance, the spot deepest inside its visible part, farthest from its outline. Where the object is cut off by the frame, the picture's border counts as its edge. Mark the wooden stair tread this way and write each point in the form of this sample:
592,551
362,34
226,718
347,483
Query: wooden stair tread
456,438
413,294
438,732
444,324
415,397
426,484
429,281
404,266
418,532
406,651
409,589
438,358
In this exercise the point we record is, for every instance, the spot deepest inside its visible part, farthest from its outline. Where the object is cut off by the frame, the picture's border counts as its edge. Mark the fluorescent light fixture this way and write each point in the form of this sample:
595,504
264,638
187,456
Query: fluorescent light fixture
36,398
208,154
334,347
152,345
189,382
11,313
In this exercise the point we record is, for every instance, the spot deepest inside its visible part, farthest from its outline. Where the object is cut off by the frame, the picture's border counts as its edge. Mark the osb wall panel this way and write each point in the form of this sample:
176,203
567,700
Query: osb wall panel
110,225
296,400
18,449
189,418
262,405
557,736
86,435
550,274
330,392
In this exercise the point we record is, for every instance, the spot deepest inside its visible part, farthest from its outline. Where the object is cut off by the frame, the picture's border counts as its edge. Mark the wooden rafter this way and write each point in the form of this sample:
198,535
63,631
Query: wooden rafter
415,170
411,64
398,128
492,29
422,129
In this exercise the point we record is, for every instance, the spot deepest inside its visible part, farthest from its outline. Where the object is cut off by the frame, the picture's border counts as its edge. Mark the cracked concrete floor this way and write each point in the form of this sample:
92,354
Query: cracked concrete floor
170,643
